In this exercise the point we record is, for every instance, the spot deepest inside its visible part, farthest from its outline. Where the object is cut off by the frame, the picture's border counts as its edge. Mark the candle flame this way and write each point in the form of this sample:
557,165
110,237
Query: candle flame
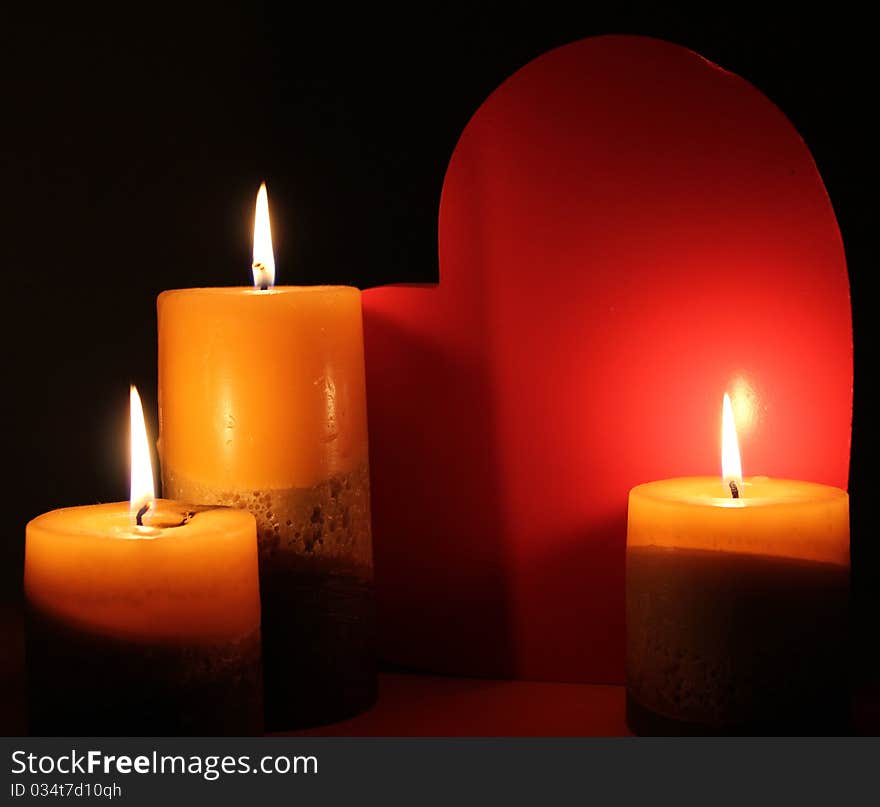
142,491
731,465
264,257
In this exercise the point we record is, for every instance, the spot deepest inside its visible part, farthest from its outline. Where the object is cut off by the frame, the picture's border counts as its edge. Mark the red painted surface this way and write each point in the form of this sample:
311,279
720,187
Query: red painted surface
626,231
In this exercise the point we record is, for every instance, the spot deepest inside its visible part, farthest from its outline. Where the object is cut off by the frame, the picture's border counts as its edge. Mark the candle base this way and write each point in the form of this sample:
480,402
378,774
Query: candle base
87,684
316,592
725,643
318,628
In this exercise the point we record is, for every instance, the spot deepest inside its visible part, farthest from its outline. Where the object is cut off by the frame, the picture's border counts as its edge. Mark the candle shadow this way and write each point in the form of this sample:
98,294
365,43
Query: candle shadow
576,591
441,561
461,588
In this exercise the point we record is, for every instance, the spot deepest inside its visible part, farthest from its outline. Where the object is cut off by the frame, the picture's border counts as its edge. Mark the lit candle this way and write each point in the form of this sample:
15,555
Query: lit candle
262,405
143,616
736,592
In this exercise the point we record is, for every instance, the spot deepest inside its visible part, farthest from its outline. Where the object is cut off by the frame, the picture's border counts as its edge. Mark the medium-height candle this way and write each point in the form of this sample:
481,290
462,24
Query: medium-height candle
736,593
143,616
262,405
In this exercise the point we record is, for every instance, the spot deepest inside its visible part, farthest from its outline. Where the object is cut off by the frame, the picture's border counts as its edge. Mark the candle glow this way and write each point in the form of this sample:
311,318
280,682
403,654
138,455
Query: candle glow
264,257
143,493
731,464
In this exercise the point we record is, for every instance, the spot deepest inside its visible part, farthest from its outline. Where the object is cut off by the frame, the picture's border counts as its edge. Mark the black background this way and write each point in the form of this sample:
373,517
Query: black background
134,138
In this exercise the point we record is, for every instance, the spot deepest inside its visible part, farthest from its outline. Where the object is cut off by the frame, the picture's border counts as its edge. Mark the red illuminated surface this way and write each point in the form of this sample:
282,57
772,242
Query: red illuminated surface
626,231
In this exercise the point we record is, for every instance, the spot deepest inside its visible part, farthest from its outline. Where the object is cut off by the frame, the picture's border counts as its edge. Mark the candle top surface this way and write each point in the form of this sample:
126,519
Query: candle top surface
780,517
166,520
755,491
190,576
272,291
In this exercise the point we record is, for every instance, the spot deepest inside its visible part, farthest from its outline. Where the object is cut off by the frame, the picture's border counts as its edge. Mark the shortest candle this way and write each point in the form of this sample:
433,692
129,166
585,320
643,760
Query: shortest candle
736,597
143,616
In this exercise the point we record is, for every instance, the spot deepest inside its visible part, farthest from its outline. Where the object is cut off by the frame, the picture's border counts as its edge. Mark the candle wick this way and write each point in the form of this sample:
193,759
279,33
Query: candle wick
141,513
260,267
734,490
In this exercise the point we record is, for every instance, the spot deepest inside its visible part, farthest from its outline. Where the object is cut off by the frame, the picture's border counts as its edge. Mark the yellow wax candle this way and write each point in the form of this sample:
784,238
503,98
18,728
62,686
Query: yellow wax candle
736,604
192,578
262,404
261,389
133,625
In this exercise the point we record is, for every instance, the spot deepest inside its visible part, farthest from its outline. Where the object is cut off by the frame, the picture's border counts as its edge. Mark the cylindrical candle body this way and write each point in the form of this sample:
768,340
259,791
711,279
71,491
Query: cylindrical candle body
143,630
262,405
736,608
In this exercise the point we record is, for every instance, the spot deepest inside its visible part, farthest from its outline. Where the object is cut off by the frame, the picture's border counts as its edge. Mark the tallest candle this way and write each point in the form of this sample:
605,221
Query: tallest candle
262,405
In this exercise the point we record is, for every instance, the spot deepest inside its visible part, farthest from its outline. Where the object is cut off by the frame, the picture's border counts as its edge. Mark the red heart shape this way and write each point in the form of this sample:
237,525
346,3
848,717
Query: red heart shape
626,231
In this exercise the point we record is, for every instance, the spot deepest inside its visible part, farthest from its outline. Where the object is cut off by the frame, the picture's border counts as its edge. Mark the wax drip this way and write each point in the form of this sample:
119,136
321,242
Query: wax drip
734,490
